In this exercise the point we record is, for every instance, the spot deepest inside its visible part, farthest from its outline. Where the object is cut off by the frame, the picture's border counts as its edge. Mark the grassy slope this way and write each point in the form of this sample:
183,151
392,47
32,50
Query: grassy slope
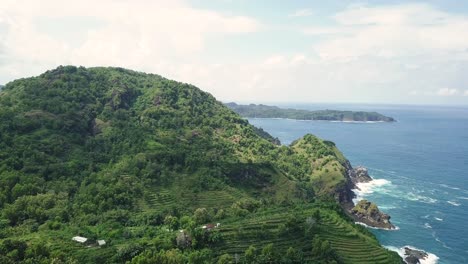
121,149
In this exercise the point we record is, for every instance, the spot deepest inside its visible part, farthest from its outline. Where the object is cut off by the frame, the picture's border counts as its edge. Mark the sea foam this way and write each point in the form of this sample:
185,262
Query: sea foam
453,203
365,188
430,259
380,228
420,198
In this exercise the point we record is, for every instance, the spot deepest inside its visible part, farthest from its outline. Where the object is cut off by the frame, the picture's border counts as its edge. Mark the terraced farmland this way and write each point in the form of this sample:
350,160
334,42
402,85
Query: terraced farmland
352,246
264,228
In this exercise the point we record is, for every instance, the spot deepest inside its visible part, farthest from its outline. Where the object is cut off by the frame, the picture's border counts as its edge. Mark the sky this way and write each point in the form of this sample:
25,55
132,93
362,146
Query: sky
397,52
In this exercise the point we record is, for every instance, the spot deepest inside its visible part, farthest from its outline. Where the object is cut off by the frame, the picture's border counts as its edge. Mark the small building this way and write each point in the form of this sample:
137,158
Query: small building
101,242
208,227
80,239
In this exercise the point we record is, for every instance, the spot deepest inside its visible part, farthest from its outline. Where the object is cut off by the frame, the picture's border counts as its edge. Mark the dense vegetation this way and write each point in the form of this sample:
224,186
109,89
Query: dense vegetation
148,165
266,111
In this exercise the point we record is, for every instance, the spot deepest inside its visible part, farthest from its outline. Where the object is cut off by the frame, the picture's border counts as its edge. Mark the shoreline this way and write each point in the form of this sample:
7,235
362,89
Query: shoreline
323,120
429,259
378,228
360,209
409,254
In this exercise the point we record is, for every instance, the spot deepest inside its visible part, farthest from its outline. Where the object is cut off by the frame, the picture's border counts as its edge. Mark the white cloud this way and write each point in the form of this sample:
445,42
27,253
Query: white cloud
368,54
137,34
302,13
465,93
391,31
447,92
275,60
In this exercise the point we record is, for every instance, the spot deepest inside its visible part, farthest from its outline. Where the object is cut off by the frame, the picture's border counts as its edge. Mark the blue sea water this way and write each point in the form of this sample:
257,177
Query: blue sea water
420,164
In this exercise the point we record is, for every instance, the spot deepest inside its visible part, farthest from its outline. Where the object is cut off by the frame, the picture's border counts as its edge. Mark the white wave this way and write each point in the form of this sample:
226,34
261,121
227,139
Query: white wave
430,259
379,228
387,207
427,225
434,235
450,187
426,217
366,188
438,219
453,203
463,198
420,198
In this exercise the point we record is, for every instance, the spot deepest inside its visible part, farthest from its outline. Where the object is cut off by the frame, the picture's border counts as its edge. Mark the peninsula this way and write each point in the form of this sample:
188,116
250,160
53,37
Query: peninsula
266,111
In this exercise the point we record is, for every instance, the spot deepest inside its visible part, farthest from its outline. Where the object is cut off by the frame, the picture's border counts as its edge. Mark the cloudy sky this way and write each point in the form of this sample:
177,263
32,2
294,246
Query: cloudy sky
253,51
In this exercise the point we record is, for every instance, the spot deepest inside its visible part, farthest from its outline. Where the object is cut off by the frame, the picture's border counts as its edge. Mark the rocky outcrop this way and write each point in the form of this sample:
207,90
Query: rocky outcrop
364,211
414,256
369,214
359,174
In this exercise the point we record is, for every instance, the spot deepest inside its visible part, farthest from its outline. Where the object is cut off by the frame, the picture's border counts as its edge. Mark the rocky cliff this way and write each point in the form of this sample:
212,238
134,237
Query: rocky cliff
359,174
364,211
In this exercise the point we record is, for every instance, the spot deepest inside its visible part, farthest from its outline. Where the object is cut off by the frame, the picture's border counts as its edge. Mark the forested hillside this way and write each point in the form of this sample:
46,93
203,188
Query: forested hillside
163,173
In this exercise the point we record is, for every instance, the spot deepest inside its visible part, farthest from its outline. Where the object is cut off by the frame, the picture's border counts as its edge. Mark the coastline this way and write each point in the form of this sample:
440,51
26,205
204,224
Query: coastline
322,120
417,194
429,259
409,254
359,209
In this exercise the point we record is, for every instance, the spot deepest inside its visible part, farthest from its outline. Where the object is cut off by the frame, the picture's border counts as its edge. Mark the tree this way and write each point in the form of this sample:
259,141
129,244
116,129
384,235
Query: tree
250,254
183,240
199,256
323,249
268,254
171,221
226,259
201,215
292,256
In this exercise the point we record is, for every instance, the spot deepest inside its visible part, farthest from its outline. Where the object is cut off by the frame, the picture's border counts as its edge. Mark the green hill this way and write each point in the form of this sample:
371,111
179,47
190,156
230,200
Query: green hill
266,111
144,163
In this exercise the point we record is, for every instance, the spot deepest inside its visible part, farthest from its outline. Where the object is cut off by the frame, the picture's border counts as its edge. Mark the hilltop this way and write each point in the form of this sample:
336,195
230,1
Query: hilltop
266,111
163,173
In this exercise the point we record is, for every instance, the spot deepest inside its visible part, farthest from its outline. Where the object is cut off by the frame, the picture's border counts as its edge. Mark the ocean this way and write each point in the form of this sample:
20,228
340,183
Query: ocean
419,165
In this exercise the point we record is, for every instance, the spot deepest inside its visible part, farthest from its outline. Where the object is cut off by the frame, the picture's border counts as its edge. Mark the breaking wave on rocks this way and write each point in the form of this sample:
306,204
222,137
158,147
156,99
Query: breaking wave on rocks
430,259
379,228
366,188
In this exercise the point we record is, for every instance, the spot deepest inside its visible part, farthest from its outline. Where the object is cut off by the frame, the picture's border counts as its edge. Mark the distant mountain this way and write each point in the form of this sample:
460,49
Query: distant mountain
108,165
265,111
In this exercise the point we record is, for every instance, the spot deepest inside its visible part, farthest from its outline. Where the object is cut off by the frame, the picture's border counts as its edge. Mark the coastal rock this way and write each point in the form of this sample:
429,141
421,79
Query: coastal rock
369,214
359,174
364,212
413,256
